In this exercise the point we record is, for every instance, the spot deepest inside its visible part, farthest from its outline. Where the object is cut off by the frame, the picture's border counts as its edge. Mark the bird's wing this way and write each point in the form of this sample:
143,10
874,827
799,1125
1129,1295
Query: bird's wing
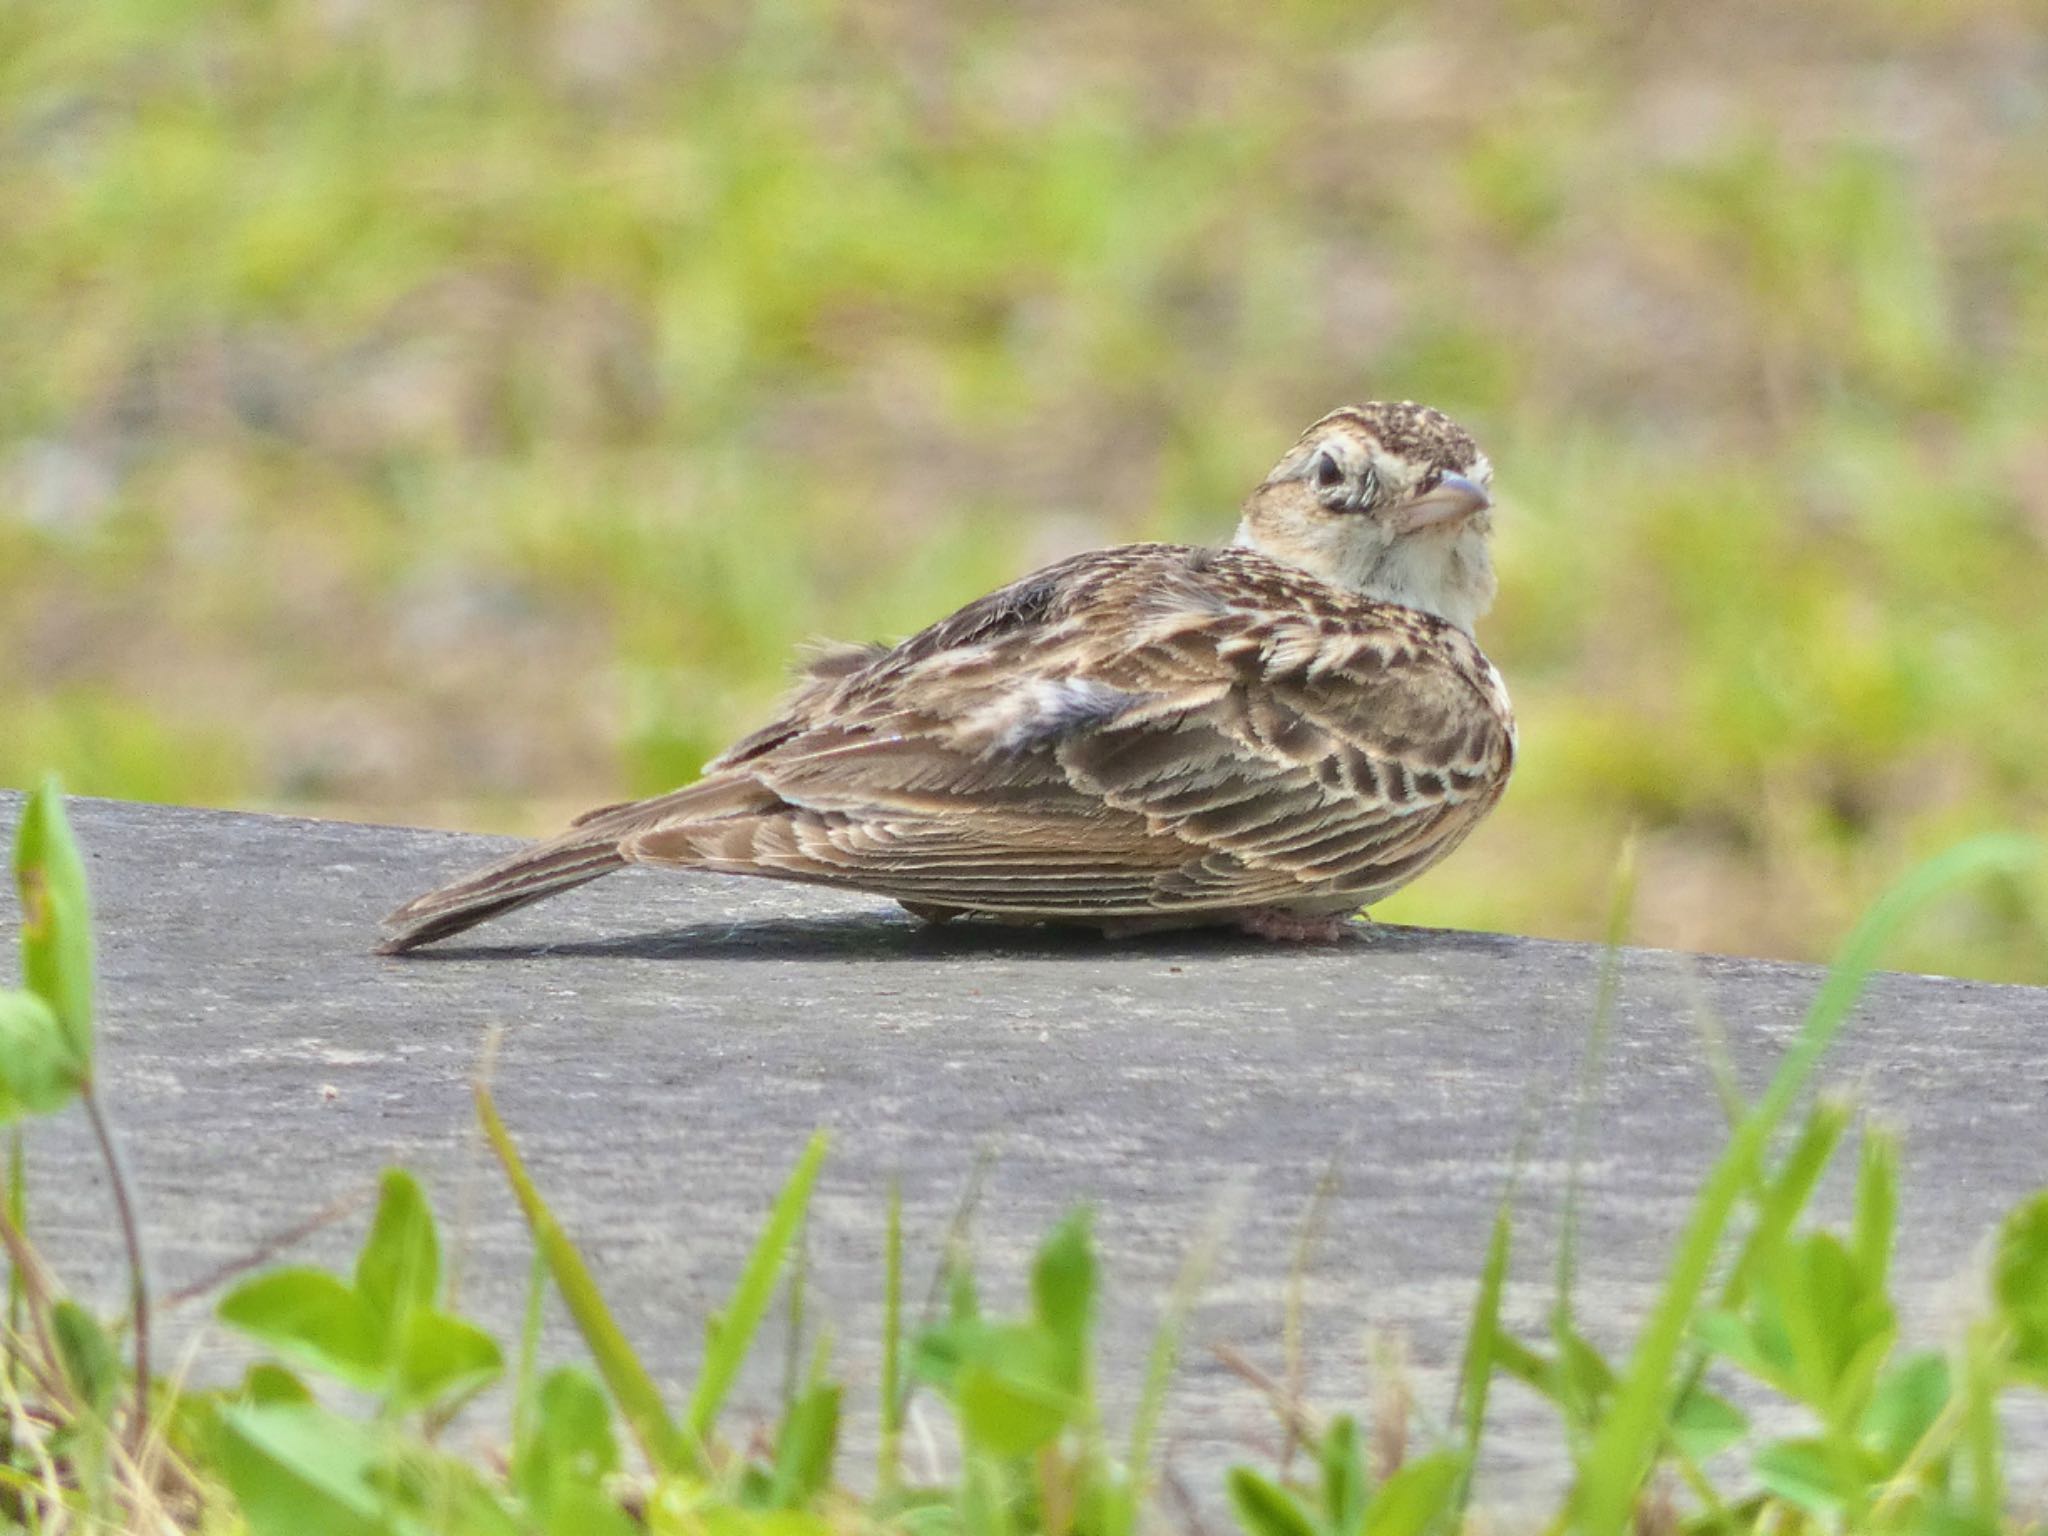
1142,730
1348,750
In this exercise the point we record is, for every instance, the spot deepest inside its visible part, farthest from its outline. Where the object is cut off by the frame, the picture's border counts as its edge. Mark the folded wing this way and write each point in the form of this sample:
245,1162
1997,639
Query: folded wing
1150,730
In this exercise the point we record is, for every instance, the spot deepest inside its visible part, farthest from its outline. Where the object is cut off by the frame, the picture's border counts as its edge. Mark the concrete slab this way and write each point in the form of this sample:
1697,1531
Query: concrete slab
669,1041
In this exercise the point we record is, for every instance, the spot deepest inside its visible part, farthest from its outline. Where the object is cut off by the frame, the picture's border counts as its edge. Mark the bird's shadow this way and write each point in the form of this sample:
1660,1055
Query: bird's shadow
865,936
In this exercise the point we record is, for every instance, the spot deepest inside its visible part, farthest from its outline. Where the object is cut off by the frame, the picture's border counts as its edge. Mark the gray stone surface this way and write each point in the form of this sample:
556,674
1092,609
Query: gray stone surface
669,1041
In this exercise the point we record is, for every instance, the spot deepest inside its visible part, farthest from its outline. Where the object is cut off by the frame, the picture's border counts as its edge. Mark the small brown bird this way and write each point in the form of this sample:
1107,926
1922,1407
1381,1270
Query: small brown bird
1267,736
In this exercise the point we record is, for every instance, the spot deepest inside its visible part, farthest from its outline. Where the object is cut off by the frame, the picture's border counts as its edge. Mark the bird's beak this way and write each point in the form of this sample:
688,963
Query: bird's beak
1452,500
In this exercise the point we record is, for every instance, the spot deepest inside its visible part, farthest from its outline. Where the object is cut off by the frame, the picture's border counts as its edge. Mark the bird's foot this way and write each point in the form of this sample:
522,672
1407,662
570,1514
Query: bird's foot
1281,926
926,912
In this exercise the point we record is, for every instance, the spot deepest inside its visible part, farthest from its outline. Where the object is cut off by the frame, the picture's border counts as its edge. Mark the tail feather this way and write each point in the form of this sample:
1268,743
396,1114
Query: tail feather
593,846
526,876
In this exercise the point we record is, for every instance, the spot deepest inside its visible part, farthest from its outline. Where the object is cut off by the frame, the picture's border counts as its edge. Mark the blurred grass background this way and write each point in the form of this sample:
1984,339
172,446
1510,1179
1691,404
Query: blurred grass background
454,411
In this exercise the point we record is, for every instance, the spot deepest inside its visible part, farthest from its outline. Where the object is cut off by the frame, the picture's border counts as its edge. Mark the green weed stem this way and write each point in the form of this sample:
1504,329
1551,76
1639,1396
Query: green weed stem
131,1242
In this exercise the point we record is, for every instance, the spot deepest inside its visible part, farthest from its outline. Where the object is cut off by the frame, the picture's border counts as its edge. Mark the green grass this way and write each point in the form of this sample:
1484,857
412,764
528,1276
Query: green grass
338,1426
460,416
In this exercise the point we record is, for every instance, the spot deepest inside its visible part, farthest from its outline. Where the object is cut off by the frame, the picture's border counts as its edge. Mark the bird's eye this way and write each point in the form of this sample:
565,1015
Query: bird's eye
1326,472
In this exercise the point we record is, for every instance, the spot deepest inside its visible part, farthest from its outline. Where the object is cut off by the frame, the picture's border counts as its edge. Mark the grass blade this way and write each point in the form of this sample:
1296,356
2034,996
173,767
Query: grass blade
1475,1376
1577,1412
1130,1498
730,1334
1981,1430
794,1317
889,1456
1877,1205
631,1387
1619,1459
17,1295
1778,1206
1293,1321
1787,1195
13,1361
526,1379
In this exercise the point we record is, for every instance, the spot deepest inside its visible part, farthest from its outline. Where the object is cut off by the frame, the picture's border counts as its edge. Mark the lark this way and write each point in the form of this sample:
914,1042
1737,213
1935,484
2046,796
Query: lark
1268,736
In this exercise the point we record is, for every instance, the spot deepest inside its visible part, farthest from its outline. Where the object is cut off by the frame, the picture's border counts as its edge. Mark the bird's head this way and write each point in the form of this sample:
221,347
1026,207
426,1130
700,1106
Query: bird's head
1391,500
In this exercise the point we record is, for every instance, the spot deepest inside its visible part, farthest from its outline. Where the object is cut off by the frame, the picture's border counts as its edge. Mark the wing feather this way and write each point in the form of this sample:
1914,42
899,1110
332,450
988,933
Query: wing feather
1143,730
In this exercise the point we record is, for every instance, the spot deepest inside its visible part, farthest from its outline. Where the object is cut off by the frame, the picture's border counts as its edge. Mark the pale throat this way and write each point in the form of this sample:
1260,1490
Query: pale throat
1448,575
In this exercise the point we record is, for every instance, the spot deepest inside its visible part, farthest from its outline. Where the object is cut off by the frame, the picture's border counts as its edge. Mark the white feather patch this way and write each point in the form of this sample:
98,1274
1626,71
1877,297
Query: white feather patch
1049,707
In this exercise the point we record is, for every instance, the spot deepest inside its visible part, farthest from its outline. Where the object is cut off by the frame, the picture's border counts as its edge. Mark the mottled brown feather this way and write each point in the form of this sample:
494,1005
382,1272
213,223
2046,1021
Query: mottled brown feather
1151,730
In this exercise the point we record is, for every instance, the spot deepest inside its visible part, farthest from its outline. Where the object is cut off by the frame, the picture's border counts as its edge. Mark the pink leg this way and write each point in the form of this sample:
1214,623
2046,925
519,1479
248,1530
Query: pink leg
1284,927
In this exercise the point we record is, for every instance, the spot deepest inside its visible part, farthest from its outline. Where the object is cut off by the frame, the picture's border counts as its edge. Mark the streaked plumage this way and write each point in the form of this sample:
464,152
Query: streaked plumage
1154,735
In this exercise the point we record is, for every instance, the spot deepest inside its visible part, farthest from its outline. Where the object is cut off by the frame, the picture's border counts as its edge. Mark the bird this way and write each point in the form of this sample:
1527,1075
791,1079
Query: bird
1268,735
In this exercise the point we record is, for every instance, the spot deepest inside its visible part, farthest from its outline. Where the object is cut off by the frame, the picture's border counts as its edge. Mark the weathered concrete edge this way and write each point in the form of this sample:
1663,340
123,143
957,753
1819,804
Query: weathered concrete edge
488,844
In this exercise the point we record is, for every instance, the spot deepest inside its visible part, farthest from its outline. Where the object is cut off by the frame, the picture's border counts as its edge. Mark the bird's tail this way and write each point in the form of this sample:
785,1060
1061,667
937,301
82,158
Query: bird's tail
595,845
561,863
